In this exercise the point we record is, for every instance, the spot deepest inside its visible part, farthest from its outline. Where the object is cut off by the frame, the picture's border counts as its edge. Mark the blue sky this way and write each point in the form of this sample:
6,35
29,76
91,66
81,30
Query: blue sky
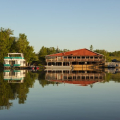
70,24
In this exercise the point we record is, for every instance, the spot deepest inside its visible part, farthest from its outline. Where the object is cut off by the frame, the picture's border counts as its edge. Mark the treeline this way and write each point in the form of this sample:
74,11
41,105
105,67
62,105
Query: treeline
11,44
109,55
47,51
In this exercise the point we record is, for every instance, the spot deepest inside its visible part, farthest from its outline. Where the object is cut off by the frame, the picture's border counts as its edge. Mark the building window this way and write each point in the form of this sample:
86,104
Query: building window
83,57
87,77
91,77
69,77
96,77
74,77
69,57
87,57
91,57
78,57
48,57
83,77
65,57
100,57
65,77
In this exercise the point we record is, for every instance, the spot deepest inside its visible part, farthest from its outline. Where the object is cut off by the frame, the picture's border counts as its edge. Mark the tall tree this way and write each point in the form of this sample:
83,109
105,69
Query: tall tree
5,42
91,48
21,45
10,44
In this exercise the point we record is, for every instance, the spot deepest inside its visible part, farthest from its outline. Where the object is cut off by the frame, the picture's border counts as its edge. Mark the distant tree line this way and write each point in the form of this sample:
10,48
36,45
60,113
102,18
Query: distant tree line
47,51
109,55
10,44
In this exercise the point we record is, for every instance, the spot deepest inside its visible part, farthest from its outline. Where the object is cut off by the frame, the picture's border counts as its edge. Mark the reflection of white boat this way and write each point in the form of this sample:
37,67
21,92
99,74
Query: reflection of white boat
15,76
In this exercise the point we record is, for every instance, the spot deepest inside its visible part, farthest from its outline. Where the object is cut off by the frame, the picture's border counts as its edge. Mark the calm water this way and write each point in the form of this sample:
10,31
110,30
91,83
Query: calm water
59,95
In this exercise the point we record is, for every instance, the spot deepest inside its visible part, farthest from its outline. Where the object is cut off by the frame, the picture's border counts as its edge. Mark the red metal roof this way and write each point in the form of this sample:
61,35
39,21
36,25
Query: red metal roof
79,52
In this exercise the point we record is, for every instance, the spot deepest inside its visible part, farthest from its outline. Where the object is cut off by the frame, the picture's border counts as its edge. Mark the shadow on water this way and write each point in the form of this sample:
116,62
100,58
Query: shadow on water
15,84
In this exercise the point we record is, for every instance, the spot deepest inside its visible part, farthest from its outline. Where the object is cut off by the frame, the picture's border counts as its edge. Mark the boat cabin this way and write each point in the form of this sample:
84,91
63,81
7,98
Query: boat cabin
14,60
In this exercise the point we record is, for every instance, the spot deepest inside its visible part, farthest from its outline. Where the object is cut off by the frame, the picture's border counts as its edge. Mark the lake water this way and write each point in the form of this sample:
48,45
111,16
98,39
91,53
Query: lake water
59,95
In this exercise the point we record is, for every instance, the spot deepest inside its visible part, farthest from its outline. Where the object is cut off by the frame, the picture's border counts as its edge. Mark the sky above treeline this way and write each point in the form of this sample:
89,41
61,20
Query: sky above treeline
68,24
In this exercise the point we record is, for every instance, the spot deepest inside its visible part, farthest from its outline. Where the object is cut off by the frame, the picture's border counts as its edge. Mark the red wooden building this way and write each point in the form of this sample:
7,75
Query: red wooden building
75,58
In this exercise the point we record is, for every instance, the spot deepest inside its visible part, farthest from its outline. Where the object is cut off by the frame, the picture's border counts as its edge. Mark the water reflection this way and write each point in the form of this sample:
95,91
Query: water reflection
10,89
15,76
15,84
112,70
82,78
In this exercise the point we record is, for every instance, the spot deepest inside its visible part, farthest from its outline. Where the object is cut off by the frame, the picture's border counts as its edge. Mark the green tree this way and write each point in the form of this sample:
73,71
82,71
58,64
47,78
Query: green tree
105,53
22,46
22,43
91,48
5,42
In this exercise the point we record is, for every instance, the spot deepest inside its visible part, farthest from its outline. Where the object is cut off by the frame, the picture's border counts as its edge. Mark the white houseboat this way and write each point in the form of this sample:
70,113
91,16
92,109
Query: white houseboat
14,60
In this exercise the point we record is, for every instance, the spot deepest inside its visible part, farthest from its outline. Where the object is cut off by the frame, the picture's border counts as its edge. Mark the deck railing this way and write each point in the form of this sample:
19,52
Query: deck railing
16,65
6,65
13,58
74,60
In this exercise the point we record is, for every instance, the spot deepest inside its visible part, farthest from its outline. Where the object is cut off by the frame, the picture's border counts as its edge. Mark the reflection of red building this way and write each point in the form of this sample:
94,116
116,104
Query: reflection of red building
74,77
78,58
81,83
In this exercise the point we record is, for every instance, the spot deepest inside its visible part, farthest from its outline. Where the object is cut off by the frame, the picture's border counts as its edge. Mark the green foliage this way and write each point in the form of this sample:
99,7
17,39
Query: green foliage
47,51
11,91
43,51
112,77
5,42
116,53
9,44
91,48
105,53
109,55
115,57
42,81
22,43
